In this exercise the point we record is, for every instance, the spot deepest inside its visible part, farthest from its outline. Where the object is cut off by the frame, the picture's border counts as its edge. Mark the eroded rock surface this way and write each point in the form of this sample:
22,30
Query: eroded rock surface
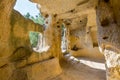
16,51
108,36
86,31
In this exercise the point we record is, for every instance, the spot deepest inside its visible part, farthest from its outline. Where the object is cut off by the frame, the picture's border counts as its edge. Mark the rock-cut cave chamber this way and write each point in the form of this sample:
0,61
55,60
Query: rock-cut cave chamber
59,40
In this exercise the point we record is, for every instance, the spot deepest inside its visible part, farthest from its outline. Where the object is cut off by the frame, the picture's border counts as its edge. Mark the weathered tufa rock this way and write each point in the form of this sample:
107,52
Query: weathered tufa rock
38,71
108,37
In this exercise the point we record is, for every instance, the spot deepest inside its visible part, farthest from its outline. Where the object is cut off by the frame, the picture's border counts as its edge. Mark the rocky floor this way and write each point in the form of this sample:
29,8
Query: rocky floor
75,70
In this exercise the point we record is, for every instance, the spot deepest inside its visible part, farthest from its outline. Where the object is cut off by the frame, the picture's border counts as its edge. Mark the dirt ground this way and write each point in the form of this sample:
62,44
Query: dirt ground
73,70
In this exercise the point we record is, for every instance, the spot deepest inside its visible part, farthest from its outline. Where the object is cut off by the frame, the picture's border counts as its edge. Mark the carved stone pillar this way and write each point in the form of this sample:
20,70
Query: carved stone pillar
108,38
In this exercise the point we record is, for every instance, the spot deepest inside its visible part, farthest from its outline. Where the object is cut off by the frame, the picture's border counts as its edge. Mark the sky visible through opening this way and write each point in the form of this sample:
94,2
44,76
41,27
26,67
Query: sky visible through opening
25,6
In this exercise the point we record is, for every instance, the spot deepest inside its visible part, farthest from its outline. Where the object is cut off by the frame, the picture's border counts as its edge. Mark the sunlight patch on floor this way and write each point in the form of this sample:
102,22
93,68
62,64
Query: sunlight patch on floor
92,64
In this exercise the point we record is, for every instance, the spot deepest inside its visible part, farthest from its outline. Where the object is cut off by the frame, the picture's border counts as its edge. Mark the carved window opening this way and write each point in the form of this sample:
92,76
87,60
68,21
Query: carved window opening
37,41
64,39
31,11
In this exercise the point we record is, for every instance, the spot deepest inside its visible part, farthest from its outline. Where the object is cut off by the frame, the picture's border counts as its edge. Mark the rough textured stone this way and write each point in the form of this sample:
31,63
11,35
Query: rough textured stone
116,10
5,9
59,6
67,8
6,72
114,73
15,29
38,71
76,15
108,36
92,53
79,17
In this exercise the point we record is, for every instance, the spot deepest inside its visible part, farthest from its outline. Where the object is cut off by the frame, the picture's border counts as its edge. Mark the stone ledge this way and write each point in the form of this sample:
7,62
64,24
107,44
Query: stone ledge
39,71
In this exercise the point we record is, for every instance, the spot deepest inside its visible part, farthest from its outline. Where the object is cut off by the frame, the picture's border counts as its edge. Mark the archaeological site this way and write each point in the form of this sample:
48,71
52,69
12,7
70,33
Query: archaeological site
59,39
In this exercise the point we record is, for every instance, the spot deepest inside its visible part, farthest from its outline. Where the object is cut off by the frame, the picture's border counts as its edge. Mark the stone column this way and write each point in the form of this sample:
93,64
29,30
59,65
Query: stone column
112,64
108,39
52,34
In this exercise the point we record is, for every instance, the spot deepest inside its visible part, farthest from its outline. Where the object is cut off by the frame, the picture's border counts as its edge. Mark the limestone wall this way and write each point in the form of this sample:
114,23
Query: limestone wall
108,36
88,30
37,71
